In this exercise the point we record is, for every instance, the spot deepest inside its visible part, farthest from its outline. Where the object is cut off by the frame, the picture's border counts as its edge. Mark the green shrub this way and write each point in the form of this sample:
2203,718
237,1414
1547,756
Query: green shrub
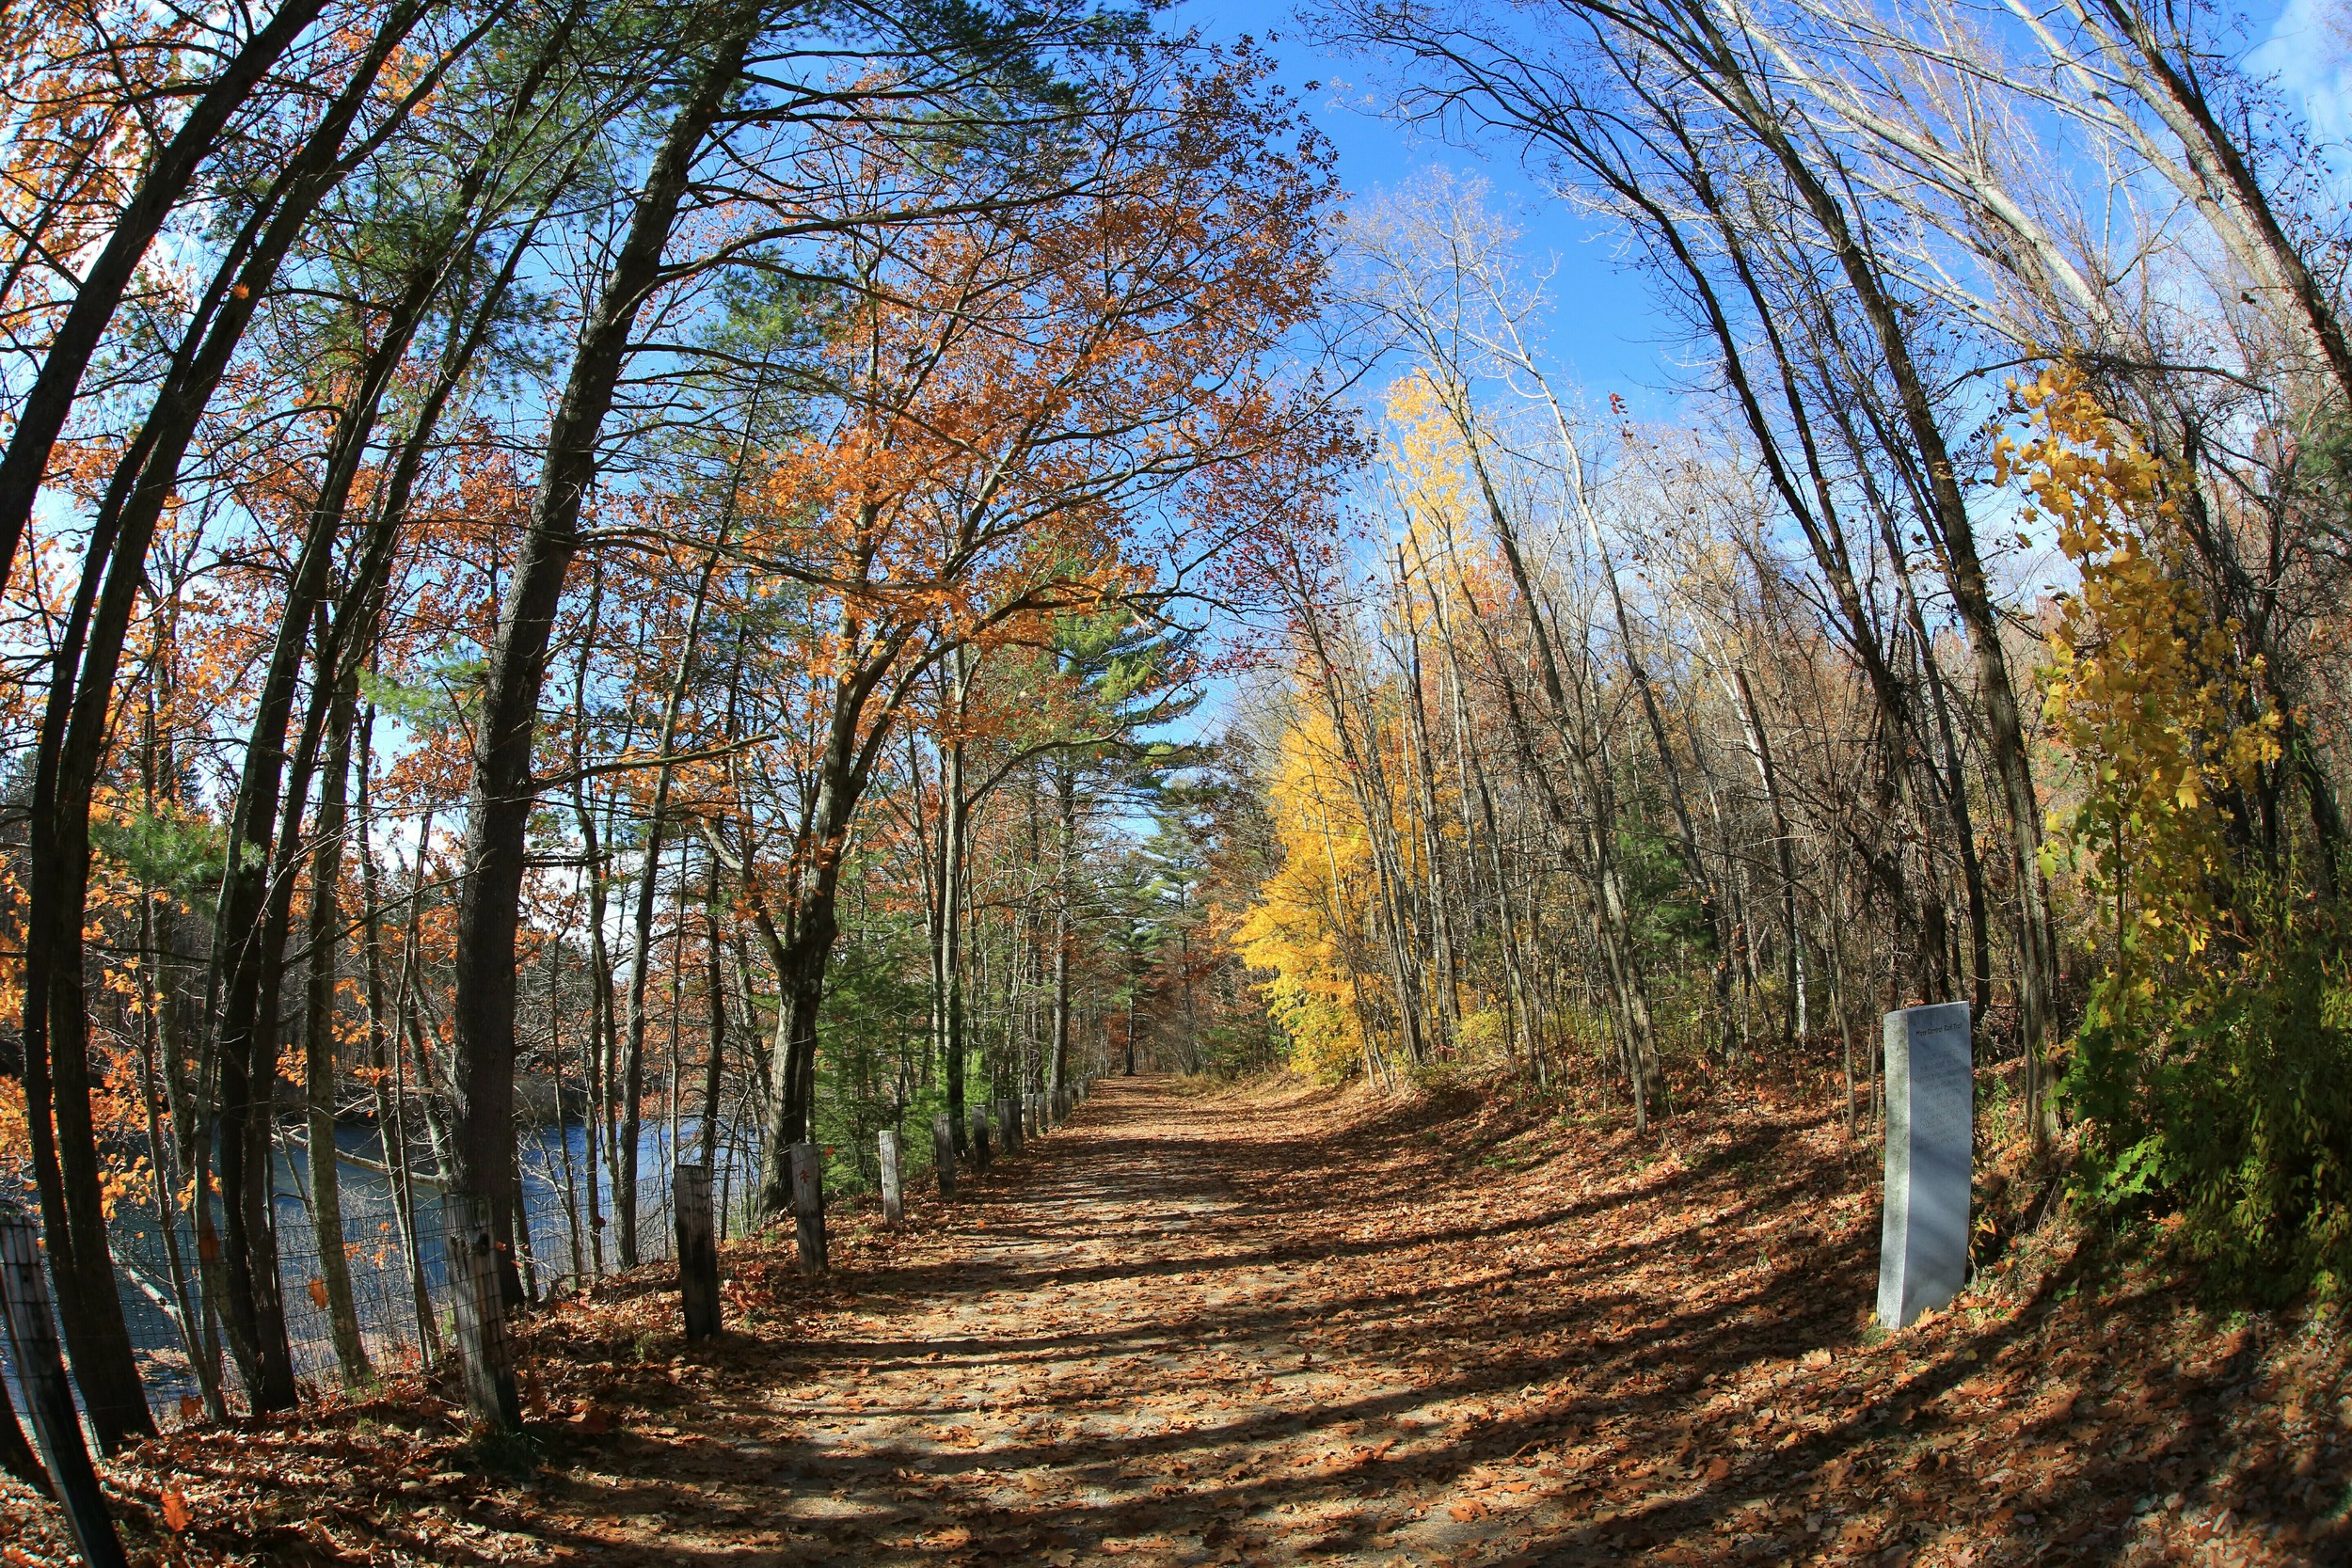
2222,1106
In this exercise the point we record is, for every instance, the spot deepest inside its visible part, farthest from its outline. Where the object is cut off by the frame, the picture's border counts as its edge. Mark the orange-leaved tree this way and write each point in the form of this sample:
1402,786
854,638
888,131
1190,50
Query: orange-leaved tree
1023,414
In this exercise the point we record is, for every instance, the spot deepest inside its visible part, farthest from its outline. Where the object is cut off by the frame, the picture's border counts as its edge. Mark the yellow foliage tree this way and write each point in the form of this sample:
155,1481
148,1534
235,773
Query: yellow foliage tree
1296,931
1316,929
2211,1068
2142,688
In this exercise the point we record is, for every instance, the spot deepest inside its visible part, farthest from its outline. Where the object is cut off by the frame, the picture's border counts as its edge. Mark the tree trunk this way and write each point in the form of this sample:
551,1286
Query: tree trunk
953,834
1066,814
387,1019
714,976
501,791
325,927
1761,752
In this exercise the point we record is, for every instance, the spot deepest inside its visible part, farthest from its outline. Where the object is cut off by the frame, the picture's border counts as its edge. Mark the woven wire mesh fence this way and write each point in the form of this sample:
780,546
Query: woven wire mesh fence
400,1301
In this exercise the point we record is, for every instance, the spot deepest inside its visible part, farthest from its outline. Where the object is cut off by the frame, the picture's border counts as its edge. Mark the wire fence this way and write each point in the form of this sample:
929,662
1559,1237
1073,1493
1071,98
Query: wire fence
393,1294
388,1286
385,1289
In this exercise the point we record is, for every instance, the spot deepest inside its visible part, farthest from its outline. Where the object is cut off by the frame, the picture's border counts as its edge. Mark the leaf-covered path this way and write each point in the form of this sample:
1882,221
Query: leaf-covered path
1281,1325
1118,1345
1290,1327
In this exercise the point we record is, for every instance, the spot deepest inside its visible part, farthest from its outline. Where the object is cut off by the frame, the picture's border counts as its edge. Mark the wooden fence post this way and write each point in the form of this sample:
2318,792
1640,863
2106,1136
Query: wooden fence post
808,1205
1009,1123
41,1373
893,1197
978,1140
485,1358
944,1153
697,1250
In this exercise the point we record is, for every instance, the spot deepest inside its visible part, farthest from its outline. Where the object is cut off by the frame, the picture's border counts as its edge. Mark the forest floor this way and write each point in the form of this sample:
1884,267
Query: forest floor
1276,1324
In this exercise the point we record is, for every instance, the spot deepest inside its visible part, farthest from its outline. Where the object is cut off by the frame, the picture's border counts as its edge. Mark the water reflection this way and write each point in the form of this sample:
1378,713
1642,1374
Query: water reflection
555,1207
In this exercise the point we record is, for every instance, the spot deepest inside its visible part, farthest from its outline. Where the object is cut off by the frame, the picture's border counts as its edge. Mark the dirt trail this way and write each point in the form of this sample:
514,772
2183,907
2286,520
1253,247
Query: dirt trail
1286,1325
1104,1349
1110,1349
1296,1327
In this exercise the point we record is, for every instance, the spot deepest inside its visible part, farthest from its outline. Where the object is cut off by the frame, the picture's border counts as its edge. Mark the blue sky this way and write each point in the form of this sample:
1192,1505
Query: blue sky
1606,332
2307,55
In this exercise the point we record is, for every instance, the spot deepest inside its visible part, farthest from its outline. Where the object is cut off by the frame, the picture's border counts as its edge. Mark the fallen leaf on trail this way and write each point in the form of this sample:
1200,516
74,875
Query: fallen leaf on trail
1010,1547
1572,1423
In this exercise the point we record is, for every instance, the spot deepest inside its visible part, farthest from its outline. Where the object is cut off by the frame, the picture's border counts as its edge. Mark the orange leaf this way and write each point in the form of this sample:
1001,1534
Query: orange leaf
175,1512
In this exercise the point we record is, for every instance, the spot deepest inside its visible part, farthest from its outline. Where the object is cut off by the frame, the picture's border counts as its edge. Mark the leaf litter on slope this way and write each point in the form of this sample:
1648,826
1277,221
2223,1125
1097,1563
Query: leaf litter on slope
1283,1324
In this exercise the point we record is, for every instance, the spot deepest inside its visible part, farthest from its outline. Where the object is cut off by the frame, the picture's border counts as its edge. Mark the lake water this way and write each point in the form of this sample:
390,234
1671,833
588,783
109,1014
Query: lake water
379,1269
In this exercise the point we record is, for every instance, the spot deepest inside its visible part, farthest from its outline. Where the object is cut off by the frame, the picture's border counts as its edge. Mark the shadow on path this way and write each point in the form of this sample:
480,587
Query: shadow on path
1290,1329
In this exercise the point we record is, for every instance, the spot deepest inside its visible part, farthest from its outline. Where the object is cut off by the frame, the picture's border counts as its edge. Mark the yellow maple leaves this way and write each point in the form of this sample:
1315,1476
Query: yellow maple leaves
2144,689
1314,927
1294,930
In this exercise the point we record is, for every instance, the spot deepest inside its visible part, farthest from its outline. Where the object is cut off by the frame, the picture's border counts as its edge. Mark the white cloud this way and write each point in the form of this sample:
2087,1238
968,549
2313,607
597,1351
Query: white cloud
2307,53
